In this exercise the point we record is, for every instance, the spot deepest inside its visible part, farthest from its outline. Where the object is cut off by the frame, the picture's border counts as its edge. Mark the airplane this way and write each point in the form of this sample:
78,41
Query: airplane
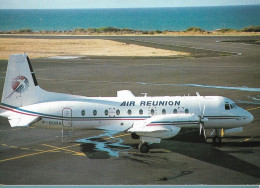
147,118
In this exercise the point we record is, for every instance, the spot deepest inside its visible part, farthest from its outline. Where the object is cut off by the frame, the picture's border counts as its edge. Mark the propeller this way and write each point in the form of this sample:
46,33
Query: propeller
202,120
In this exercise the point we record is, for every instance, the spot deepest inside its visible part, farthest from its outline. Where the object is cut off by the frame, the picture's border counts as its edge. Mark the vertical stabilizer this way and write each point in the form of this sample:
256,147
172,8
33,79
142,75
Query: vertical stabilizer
21,87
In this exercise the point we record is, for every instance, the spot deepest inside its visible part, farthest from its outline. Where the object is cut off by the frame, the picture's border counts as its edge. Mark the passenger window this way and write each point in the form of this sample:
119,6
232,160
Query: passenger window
118,112
83,112
129,112
186,111
152,111
175,111
141,112
94,112
227,106
163,111
106,112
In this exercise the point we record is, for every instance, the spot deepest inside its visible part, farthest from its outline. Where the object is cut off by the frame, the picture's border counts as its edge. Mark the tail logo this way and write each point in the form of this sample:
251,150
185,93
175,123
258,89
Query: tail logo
19,84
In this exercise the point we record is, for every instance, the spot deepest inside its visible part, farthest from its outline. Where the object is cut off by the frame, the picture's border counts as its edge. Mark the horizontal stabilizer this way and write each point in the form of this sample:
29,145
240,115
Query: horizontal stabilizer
23,120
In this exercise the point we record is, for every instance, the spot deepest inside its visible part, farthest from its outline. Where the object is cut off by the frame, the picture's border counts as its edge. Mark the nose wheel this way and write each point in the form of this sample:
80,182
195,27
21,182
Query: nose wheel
216,140
144,147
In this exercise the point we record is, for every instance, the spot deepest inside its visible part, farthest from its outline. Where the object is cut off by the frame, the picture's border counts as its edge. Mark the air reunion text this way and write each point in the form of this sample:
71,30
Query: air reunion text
151,103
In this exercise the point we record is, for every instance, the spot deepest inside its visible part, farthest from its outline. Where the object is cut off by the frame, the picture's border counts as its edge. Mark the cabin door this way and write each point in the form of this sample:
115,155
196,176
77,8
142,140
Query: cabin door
67,117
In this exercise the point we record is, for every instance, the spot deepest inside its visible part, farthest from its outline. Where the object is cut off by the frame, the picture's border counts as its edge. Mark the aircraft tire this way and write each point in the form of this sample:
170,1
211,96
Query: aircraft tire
216,140
135,136
144,147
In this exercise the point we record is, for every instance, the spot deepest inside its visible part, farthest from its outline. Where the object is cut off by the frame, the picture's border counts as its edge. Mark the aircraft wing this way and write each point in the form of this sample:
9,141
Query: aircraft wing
143,126
163,126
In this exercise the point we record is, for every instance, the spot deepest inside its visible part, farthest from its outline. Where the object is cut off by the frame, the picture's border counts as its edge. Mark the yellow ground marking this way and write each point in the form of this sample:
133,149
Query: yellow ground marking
252,108
117,136
38,150
25,148
21,148
68,150
15,129
55,151
247,139
12,129
37,153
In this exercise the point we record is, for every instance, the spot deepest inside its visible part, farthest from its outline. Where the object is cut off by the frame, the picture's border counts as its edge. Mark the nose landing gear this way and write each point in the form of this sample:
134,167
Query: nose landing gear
217,137
216,140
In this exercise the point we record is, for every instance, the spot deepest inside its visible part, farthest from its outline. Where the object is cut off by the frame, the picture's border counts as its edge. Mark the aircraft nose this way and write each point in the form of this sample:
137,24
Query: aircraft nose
249,117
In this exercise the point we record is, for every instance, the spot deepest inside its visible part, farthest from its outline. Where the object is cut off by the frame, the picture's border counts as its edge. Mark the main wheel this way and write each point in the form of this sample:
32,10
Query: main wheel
135,136
216,140
144,147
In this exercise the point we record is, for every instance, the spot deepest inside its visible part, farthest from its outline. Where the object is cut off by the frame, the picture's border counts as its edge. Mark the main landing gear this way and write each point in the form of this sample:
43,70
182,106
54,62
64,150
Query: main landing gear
144,147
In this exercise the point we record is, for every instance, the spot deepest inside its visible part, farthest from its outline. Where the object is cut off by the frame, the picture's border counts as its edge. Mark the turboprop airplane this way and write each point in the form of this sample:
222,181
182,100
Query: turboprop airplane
149,118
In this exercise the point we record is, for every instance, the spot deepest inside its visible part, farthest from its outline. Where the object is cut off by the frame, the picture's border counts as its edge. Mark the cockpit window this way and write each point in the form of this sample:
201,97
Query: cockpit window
233,105
230,106
227,107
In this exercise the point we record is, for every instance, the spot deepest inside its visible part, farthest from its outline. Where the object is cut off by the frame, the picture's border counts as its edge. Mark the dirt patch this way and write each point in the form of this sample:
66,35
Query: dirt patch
37,48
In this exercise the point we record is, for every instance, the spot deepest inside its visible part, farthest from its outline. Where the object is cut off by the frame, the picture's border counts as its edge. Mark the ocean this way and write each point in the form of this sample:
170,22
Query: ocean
145,19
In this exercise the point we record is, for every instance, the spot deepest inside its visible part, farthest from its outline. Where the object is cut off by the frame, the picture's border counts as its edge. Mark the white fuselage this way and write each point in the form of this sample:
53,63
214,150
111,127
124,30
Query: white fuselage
118,113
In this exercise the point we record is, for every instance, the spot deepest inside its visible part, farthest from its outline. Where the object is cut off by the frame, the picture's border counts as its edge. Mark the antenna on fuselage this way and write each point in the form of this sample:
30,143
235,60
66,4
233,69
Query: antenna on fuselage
145,94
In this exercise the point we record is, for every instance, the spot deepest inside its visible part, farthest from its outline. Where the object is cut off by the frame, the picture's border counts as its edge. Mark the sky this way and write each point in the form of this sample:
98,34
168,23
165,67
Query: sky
75,4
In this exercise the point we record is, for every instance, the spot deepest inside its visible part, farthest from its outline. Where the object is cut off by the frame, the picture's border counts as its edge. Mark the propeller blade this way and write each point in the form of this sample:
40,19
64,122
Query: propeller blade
200,128
204,133
204,107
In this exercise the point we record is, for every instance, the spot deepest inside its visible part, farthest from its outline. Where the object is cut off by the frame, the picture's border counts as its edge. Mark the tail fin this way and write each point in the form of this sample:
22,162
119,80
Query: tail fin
21,87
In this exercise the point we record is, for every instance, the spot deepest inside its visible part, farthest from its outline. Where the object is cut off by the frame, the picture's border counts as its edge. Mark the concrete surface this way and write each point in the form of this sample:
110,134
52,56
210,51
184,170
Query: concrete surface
36,155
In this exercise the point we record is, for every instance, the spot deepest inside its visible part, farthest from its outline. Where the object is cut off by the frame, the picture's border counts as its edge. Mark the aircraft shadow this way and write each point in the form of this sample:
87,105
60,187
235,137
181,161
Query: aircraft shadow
211,154
188,144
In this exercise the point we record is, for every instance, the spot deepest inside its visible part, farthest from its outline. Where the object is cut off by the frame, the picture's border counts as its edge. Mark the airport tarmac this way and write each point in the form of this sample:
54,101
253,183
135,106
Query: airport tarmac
36,155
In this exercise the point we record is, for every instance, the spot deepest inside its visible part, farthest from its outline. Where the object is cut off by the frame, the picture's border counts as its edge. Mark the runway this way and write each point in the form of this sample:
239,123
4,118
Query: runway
36,155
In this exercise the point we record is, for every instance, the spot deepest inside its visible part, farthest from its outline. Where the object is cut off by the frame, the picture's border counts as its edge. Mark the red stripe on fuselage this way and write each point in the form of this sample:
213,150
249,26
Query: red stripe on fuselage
83,119
154,124
18,111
